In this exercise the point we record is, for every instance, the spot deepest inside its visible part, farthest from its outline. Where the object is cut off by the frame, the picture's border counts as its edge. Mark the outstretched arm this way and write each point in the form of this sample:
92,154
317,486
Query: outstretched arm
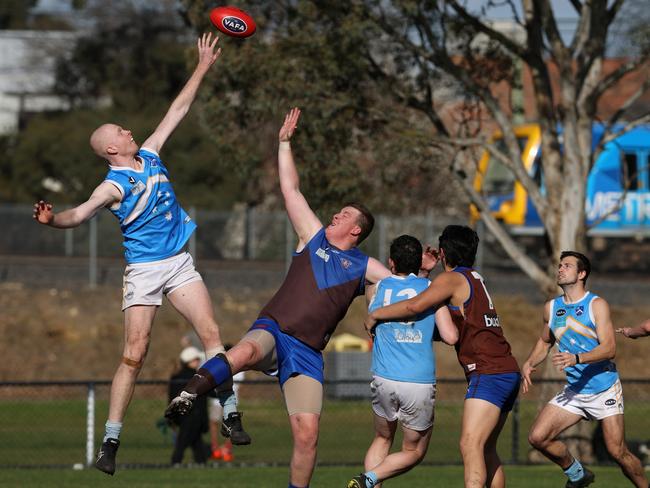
302,217
540,351
376,271
635,332
104,195
181,104
440,290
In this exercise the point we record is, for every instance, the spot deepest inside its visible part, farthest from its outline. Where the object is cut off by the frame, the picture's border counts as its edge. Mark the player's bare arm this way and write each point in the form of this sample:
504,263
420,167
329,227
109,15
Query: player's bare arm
641,330
606,349
540,350
302,217
441,289
104,195
376,271
445,325
182,103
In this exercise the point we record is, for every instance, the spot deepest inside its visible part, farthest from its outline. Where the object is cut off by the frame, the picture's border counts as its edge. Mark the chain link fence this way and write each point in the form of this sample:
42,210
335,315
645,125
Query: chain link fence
92,252
61,424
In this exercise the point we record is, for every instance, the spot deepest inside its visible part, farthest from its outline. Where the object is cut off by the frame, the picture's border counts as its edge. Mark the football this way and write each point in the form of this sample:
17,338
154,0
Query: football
233,21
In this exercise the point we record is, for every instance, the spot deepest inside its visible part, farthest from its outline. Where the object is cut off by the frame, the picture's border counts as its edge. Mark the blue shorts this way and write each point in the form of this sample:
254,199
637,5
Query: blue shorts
294,357
499,389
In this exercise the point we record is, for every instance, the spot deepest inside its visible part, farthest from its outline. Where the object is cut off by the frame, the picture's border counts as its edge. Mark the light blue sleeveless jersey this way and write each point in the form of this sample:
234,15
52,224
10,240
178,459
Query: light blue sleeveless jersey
153,224
574,329
403,351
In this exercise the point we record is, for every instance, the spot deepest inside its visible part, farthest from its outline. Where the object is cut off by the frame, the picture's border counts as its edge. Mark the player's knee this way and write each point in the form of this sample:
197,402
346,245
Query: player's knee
537,439
616,450
135,365
305,437
469,444
417,454
247,354
136,346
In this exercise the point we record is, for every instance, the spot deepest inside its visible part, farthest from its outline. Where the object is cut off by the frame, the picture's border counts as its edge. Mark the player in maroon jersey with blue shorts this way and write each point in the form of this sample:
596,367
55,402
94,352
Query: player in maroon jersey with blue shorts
483,352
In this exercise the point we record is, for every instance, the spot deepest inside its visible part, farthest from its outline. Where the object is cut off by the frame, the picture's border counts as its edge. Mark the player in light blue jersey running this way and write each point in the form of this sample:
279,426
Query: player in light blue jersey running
579,323
138,192
404,369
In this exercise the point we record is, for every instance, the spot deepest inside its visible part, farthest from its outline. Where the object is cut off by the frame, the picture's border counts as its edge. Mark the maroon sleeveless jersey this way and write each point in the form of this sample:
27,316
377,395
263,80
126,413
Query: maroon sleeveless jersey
481,347
319,287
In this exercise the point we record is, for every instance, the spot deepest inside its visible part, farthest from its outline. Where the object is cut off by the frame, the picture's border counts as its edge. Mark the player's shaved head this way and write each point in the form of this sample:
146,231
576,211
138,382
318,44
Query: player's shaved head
101,138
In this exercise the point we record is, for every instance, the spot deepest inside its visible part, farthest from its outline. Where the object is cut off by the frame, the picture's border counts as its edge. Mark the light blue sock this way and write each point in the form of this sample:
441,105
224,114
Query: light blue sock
113,430
228,401
371,479
575,471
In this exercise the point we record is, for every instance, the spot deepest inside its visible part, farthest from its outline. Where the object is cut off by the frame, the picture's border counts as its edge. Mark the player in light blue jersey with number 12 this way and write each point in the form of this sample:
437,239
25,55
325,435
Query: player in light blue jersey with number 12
156,229
403,367
579,323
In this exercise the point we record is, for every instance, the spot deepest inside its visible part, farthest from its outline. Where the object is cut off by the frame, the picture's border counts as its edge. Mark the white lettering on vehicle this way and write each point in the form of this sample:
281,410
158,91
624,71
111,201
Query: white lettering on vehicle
634,208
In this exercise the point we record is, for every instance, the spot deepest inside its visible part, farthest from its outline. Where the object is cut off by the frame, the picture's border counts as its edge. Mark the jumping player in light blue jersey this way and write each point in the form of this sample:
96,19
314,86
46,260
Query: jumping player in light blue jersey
579,323
404,369
138,192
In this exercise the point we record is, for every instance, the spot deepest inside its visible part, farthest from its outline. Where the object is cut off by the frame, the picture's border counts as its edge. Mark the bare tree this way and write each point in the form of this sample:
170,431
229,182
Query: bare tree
427,45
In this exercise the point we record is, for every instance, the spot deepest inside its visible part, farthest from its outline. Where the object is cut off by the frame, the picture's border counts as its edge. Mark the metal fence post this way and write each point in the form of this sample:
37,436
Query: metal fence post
515,432
381,252
92,253
428,228
90,424
250,232
69,242
480,231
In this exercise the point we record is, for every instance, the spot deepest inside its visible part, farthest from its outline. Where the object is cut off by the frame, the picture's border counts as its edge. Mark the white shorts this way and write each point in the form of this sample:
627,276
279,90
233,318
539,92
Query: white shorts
592,406
146,283
410,403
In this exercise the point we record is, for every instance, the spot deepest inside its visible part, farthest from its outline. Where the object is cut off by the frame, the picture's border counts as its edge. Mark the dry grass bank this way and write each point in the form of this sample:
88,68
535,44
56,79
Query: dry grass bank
61,334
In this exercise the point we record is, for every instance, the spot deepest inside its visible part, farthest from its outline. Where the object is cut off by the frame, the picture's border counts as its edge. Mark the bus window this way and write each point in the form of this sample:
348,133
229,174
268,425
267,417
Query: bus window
630,175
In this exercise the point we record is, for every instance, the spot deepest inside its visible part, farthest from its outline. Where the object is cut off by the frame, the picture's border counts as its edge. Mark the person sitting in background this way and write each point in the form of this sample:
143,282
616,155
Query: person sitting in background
192,426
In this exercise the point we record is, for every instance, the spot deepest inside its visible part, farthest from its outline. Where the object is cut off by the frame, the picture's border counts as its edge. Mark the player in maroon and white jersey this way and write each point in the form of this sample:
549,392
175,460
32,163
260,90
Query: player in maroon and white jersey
483,352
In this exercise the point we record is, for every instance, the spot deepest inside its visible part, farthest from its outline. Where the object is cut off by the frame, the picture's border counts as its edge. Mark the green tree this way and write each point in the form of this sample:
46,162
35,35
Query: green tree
14,14
353,142
132,65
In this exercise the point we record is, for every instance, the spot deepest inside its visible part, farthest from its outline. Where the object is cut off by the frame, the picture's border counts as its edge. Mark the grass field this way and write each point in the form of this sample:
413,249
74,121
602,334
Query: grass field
276,477
52,432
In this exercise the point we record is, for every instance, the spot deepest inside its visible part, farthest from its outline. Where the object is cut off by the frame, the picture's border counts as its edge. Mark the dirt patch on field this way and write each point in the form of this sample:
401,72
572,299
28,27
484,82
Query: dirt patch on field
66,334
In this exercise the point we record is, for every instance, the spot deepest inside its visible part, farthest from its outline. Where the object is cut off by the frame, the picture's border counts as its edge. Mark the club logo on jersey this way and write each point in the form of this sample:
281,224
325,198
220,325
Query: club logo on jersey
138,188
491,320
560,312
322,254
345,263
132,180
408,336
610,402
580,309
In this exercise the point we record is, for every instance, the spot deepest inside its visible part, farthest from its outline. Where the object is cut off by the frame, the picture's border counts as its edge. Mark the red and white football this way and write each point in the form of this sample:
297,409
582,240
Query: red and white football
233,21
